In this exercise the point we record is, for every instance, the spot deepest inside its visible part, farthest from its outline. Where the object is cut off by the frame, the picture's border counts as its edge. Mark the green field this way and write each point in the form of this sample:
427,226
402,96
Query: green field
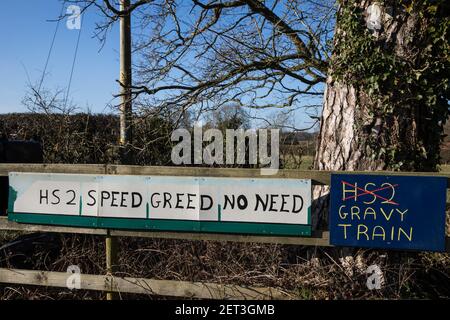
307,162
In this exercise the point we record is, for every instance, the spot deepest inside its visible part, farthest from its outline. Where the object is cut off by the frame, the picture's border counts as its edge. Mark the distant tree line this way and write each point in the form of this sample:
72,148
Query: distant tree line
93,138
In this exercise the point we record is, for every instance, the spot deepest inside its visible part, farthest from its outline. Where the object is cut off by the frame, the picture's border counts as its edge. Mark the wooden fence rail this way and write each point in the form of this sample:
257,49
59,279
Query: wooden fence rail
111,283
319,238
317,177
184,289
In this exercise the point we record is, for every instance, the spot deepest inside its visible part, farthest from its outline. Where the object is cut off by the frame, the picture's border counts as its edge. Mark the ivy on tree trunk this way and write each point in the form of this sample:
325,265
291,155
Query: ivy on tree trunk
387,90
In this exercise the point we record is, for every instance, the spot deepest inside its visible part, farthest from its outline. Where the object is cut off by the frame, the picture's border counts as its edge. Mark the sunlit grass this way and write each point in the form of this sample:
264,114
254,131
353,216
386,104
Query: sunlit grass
307,162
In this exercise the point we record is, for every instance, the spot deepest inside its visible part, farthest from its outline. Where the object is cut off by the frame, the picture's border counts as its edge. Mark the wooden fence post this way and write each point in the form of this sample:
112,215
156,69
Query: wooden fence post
111,261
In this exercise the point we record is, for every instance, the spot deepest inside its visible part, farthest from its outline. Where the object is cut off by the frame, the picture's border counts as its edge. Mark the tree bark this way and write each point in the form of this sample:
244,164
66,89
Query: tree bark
385,129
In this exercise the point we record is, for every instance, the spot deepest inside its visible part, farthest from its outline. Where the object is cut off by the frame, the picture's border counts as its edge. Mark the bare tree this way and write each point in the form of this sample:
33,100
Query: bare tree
387,84
387,88
200,55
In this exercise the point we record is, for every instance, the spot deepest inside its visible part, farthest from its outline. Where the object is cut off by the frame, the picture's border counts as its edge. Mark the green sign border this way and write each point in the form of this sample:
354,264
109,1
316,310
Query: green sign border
163,225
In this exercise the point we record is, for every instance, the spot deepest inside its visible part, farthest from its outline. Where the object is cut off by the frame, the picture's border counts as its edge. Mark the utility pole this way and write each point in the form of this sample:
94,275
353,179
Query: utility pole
126,127
126,110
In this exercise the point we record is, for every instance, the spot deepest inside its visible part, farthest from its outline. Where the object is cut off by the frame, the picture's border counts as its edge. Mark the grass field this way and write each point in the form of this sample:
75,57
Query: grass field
307,162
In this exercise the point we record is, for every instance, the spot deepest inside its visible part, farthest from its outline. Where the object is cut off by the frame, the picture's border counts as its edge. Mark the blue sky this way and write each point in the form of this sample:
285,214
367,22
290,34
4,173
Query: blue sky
26,36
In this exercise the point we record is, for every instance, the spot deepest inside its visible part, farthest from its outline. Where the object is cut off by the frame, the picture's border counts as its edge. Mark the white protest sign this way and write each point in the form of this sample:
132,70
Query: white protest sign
212,203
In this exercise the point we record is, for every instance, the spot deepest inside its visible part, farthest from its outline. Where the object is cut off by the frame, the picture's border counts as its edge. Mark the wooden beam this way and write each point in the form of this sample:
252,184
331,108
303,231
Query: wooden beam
111,253
318,177
141,285
7,225
52,168
320,238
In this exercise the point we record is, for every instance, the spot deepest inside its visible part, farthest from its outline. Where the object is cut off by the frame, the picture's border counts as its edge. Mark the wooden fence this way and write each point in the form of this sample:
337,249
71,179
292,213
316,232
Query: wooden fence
113,284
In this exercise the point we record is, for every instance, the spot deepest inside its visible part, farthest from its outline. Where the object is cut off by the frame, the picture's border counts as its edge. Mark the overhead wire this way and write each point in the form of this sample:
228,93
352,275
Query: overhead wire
52,45
73,64
51,48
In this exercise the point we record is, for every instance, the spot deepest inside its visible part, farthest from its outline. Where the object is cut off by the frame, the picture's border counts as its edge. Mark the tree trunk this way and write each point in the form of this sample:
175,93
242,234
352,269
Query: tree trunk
380,109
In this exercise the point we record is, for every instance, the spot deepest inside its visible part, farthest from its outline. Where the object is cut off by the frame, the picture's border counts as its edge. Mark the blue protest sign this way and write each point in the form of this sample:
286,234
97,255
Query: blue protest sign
395,212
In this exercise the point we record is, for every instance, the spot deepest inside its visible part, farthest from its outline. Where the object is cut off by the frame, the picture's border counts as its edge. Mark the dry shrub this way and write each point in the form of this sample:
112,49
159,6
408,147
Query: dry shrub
306,272
90,138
